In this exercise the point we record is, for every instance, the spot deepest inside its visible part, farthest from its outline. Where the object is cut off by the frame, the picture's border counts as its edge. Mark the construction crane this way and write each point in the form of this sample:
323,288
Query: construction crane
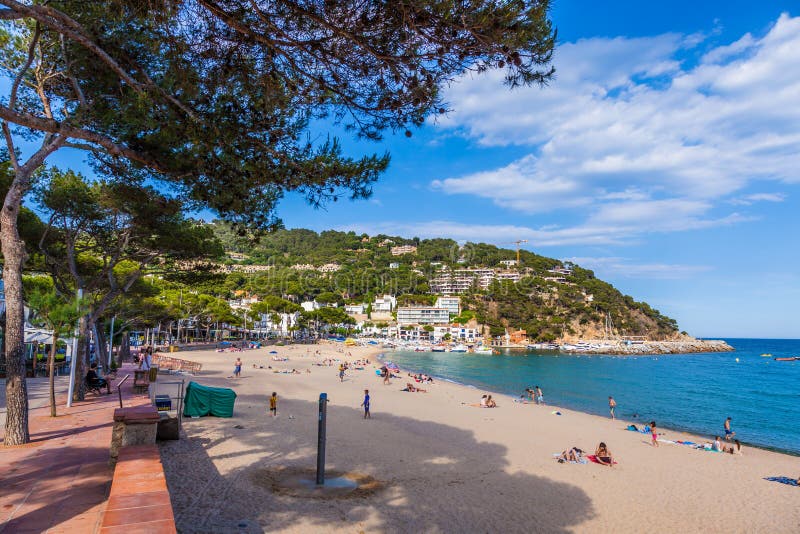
518,242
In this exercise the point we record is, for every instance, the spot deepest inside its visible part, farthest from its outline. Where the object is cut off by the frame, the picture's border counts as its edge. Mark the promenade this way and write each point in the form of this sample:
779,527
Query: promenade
60,481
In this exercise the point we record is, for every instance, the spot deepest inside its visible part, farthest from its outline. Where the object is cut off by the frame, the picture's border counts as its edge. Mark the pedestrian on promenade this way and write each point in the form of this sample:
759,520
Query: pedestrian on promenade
611,405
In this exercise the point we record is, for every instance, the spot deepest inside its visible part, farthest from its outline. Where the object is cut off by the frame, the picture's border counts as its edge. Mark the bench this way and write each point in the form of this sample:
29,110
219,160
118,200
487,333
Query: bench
141,381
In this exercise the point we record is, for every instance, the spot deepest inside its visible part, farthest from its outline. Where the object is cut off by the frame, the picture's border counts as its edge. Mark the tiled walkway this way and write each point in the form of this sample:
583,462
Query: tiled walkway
60,481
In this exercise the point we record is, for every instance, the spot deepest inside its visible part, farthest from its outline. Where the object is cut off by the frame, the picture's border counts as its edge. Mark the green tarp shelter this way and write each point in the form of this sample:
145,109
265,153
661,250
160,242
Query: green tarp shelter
204,400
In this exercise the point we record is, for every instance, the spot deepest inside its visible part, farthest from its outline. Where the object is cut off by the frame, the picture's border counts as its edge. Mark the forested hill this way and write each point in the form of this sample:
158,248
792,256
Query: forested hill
550,300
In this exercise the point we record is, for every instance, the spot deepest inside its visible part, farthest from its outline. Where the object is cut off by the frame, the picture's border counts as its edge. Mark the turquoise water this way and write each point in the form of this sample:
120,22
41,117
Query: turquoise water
690,392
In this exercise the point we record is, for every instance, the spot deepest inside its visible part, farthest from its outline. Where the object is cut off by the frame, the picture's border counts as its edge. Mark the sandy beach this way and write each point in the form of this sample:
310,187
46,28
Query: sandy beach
441,465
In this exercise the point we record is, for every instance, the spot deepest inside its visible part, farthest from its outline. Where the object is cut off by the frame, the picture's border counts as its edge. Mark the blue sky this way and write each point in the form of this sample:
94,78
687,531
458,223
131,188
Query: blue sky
665,155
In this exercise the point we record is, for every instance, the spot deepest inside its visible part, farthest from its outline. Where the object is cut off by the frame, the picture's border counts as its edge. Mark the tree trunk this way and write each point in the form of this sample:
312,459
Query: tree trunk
124,351
100,347
81,360
51,366
16,389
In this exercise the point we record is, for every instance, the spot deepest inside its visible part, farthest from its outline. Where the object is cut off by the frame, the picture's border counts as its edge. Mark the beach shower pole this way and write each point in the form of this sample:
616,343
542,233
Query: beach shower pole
323,417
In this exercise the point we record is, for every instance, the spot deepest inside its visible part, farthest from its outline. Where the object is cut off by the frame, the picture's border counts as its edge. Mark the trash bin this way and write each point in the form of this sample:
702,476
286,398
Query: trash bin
173,348
153,373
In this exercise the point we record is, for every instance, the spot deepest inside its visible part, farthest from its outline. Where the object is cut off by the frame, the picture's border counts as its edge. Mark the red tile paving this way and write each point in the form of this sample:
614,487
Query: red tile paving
60,481
139,500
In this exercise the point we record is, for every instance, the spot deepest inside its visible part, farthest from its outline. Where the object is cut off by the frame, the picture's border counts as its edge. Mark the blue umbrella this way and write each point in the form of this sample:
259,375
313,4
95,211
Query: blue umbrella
273,352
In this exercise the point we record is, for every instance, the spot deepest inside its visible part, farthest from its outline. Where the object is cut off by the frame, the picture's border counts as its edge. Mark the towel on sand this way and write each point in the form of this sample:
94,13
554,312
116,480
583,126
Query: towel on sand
593,458
783,480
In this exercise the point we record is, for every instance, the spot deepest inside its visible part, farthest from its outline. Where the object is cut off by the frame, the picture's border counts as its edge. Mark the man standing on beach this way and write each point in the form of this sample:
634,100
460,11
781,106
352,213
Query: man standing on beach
728,432
611,405
365,404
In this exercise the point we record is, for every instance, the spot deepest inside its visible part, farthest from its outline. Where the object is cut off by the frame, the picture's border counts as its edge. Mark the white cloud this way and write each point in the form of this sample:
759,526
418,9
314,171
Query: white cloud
747,200
627,133
595,232
624,267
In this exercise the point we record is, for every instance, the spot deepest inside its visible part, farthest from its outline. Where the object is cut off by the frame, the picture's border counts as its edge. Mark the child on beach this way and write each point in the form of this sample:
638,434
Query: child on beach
654,434
539,395
237,368
611,405
365,404
273,404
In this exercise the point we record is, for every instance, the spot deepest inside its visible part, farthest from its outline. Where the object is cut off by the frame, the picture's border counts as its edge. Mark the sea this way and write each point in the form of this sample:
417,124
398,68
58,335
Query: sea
687,392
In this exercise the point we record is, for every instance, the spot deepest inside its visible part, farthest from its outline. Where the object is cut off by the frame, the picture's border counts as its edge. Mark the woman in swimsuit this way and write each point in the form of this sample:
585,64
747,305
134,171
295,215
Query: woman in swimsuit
653,433
603,455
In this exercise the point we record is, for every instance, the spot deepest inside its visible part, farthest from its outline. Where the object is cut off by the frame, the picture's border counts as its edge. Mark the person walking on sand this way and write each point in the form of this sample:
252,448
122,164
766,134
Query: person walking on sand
341,373
611,405
365,404
653,434
386,375
237,368
539,395
728,432
273,404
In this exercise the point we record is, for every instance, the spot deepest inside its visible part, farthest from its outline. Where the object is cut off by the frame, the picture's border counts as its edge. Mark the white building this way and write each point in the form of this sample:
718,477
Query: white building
394,265
508,263
282,327
310,305
384,304
329,268
451,304
355,309
457,333
422,315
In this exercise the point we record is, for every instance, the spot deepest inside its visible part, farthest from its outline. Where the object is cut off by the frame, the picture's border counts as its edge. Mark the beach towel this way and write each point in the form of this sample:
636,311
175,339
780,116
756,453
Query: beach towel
783,480
592,458
581,460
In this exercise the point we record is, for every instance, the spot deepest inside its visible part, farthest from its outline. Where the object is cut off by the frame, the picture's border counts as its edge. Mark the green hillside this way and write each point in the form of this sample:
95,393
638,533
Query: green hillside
576,305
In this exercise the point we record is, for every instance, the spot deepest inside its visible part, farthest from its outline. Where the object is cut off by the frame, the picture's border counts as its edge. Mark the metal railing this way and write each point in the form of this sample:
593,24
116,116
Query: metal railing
119,388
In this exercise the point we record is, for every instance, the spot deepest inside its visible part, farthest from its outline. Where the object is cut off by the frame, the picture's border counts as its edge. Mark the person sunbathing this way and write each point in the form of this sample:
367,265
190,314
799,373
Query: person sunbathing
572,455
490,403
603,455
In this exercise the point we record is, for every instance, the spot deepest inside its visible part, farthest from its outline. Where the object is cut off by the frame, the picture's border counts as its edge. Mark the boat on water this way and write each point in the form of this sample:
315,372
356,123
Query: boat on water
438,348
789,359
766,355
458,348
483,350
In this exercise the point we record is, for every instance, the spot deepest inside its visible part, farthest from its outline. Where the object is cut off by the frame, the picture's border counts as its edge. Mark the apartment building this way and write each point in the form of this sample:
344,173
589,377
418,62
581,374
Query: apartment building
422,315
451,304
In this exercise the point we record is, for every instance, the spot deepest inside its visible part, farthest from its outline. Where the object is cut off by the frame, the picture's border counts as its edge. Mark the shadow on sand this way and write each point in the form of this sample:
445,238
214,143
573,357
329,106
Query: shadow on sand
439,479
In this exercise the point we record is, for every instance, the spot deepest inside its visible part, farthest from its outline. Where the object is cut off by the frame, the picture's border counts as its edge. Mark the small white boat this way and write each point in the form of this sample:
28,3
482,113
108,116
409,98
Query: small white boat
458,348
484,350
438,348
